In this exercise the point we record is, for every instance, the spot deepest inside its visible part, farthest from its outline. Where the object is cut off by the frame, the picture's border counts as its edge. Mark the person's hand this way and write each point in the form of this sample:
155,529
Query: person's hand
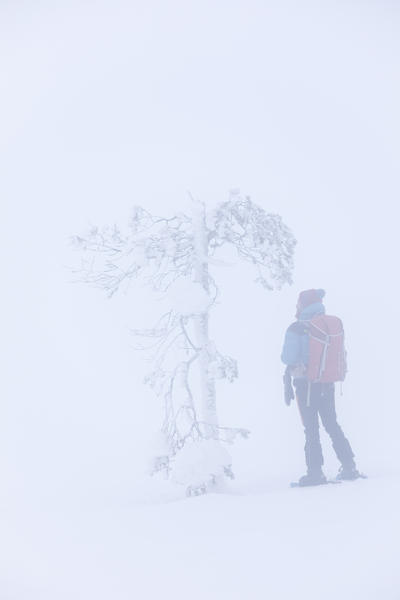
287,382
289,395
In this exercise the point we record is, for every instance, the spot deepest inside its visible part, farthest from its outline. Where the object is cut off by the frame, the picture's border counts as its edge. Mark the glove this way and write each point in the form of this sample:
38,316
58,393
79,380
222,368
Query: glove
288,388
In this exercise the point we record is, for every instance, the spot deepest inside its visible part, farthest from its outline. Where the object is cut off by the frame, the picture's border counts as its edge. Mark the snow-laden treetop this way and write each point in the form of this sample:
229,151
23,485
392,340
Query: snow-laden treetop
165,249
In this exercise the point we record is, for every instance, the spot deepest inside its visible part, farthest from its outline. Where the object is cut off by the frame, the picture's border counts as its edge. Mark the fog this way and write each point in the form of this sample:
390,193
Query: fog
107,105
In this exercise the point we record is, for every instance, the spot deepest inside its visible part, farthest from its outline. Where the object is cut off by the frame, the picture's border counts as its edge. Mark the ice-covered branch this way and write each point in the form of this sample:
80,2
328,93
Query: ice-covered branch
259,237
161,250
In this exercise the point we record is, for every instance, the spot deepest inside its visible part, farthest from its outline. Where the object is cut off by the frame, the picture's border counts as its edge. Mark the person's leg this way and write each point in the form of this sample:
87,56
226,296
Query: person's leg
328,416
309,416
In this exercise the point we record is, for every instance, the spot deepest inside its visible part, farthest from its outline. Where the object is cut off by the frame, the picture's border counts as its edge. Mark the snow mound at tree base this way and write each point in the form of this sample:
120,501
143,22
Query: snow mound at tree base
200,464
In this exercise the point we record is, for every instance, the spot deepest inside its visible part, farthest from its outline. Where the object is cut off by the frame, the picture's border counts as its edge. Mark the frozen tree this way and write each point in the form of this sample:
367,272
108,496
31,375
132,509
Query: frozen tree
175,254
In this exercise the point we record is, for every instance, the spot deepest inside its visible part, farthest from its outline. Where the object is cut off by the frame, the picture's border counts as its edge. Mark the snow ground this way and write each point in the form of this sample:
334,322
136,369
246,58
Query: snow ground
328,542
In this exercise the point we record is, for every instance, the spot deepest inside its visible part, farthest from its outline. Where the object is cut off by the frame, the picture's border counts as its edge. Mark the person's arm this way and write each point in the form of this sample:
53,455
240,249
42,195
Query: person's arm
291,352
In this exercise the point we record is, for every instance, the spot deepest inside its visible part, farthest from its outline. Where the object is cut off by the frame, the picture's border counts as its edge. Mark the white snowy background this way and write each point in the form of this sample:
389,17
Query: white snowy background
104,105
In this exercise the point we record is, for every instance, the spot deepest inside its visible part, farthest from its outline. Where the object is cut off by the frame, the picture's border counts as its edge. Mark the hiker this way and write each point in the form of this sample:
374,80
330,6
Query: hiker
315,357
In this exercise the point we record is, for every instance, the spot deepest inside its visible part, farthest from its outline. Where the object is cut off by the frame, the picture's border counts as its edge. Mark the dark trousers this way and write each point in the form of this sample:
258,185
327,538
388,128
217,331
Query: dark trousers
321,404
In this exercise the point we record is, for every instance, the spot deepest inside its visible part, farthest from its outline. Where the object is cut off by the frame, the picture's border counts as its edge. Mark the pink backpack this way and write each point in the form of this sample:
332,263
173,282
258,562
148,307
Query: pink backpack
327,355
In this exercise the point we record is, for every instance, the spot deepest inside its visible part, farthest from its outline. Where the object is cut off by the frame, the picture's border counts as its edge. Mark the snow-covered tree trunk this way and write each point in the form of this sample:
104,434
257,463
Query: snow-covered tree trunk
208,408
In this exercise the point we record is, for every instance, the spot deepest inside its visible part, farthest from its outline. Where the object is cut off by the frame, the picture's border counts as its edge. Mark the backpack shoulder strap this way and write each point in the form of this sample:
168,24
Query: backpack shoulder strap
327,325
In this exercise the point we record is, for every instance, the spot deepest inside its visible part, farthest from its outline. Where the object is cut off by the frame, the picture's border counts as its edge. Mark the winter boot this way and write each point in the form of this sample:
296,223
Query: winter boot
312,478
348,473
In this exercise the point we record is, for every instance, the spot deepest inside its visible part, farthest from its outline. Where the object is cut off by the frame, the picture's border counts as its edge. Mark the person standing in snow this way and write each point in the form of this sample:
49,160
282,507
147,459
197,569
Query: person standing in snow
315,357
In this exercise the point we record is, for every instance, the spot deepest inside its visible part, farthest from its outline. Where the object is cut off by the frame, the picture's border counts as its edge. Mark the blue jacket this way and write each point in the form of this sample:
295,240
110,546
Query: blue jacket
295,347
